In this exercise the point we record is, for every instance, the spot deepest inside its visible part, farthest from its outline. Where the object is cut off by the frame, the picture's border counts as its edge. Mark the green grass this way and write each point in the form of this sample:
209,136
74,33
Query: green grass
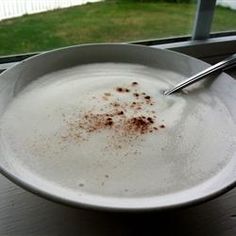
102,22
224,19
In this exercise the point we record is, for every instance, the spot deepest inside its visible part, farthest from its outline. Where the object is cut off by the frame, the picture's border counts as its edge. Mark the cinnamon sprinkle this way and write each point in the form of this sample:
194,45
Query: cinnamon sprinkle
124,119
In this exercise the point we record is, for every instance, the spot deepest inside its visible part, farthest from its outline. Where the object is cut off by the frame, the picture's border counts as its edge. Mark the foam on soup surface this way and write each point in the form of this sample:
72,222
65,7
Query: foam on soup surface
107,129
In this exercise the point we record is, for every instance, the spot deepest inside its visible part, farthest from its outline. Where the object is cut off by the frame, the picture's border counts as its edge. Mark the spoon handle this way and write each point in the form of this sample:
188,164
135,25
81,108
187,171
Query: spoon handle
222,65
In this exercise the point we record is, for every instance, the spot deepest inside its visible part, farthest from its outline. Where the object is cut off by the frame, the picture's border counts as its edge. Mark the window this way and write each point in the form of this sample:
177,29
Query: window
102,21
225,16
107,21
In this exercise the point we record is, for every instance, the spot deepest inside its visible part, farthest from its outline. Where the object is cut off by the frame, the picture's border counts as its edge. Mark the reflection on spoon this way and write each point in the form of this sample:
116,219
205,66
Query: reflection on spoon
222,65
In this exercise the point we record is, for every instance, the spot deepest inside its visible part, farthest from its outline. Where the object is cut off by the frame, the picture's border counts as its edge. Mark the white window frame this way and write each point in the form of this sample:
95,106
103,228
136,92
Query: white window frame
201,44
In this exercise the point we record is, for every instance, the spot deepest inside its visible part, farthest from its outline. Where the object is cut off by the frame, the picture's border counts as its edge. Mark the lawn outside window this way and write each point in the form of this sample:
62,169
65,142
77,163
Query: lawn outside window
179,25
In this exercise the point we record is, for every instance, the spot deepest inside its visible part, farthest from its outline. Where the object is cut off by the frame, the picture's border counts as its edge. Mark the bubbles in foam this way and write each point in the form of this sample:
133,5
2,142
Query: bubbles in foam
81,124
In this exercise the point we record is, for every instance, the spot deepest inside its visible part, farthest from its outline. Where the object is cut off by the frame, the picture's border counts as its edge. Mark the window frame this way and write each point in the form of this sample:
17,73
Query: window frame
210,47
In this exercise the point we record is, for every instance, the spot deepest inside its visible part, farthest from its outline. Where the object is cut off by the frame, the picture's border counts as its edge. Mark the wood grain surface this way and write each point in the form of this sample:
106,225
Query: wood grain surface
23,213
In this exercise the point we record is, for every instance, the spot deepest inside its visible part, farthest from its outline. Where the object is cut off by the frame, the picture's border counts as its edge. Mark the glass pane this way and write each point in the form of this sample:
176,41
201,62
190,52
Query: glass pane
103,21
225,16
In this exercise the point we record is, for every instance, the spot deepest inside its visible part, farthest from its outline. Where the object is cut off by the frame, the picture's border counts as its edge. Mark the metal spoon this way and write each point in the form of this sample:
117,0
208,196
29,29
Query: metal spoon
222,65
